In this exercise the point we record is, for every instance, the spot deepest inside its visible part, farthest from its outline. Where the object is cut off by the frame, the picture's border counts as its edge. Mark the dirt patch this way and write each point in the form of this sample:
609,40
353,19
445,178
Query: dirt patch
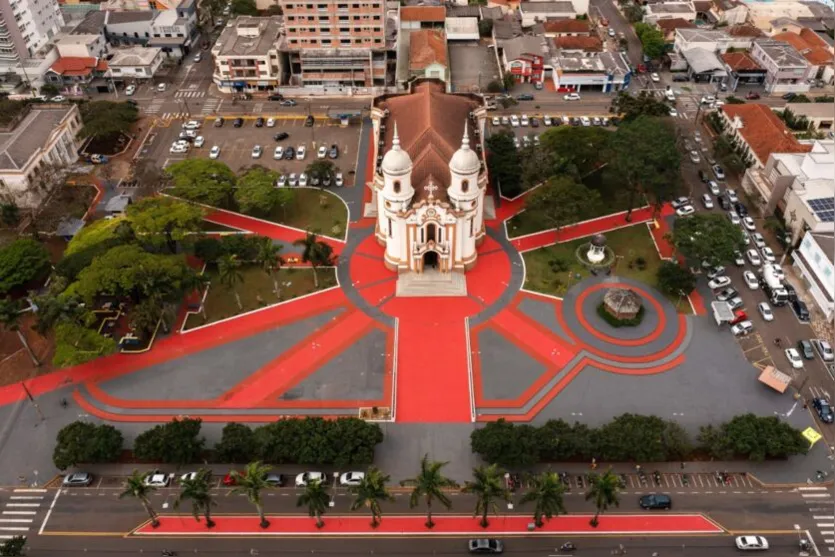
107,145
66,201
15,364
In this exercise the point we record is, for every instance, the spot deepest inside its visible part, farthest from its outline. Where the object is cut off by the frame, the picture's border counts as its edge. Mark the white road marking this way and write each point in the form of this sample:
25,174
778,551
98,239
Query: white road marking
49,512
20,512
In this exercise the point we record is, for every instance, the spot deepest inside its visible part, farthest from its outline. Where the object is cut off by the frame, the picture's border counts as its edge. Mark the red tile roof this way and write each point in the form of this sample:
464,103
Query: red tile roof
674,23
589,44
809,45
740,61
566,26
78,66
763,130
743,30
436,14
427,46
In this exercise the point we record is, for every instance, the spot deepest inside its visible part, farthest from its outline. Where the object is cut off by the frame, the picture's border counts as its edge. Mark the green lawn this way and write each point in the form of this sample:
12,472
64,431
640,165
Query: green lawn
629,244
256,291
315,210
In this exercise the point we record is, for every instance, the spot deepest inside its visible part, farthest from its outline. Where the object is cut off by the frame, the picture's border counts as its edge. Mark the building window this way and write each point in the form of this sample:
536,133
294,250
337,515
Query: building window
472,224
396,186
390,229
465,185
430,232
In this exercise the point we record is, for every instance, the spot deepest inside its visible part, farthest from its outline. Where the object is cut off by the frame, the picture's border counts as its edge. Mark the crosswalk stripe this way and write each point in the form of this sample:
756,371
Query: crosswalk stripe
23,504
813,488
23,520
6,537
14,528
826,524
827,533
29,490
19,512
22,497
818,495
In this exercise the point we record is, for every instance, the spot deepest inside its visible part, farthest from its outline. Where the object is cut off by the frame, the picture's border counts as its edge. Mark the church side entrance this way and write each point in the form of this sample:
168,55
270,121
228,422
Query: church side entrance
430,261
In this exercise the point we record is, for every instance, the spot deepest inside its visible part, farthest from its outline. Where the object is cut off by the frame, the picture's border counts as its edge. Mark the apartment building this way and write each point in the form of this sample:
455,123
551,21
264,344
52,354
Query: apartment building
335,44
246,56
26,26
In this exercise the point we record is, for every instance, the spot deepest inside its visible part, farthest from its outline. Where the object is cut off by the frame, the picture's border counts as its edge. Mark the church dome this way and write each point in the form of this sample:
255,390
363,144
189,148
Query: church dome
465,161
396,162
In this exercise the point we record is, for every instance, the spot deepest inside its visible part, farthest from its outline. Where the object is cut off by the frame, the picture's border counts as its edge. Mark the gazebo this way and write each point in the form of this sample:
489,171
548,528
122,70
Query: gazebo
622,303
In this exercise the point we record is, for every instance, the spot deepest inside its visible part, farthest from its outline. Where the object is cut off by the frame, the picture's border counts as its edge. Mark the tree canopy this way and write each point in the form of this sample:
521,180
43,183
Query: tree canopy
163,220
244,7
575,150
175,442
21,261
93,234
503,161
86,443
256,193
753,437
563,201
107,118
630,107
652,40
707,237
203,181
675,280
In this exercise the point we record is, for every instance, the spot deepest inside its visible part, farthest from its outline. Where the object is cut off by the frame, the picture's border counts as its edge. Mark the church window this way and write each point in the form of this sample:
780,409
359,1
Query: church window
390,231
440,234
430,232
421,236
396,186
465,185
472,224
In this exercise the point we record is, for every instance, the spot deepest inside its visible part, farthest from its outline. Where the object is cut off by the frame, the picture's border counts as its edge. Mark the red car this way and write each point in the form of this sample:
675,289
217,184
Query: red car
752,95
229,479
739,316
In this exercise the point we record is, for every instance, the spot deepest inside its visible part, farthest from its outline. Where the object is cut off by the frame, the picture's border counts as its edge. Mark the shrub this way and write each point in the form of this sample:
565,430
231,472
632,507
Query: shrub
560,264
176,442
237,444
752,437
87,443
20,262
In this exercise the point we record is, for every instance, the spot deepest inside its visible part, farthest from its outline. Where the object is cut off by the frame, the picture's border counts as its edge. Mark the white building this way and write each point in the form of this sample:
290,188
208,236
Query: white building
538,12
40,145
81,45
26,26
712,41
246,56
670,10
813,262
136,62
429,189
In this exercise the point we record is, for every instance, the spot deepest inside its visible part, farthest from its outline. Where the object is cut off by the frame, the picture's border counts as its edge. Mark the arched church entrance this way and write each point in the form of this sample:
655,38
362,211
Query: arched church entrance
430,261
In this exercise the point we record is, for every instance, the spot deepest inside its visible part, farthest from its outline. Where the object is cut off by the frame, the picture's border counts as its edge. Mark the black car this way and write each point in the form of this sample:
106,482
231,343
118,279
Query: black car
485,546
741,210
824,410
308,122
275,97
289,154
655,501
524,97
333,153
800,310
238,122
281,136
789,96
219,122
805,349
259,122
680,78
724,203
534,122
790,291
704,177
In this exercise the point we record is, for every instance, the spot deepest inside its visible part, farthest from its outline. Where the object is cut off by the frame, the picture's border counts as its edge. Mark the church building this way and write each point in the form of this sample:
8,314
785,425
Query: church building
430,179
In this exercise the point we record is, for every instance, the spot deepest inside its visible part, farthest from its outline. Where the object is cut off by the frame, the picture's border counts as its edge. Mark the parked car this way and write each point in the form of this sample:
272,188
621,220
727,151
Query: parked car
751,543
238,122
731,193
293,180
768,255
735,303
751,280
322,152
287,102
800,310
278,152
765,311
685,211
192,125
694,157
306,477
572,97
704,177
739,260
719,282
289,153
161,88
680,202
741,209
805,349
749,224
281,182
824,349
303,180
130,90
214,152
673,112
281,136
752,95
270,122
219,121
734,218
726,294
713,186
300,152
485,545
655,501
77,479
759,241
524,97
333,152
707,201
741,329
309,121
718,172
753,257
708,99
824,410
157,479
351,478
339,181
793,356
789,96
496,121
259,122
273,479
256,152
654,77
525,121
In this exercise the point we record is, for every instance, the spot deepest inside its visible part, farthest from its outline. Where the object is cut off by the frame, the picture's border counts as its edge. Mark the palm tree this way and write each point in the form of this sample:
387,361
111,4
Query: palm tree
429,485
251,483
317,498
604,490
488,485
10,319
230,275
315,252
546,494
269,258
370,492
198,491
135,487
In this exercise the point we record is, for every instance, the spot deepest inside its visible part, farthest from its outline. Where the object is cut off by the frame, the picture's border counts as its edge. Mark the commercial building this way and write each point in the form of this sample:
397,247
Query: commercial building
816,52
135,63
607,72
35,150
670,10
26,26
742,70
524,58
127,28
246,55
813,262
538,12
787,70
73,74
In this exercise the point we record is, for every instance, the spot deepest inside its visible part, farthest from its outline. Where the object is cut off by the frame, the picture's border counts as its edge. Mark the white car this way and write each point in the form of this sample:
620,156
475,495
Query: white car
214,152
546,121
270,122
282,181
162,87
293,180
734,217
525,120
707,201
680,202
742,328
496,121
708,99
670,95
759,241
572,97
673,112
351,478
719,282
302,180
685,211
189,476
825,350
793,356
654,77
585,121
751,543
697,136
732,197
306,477
751,280
278,153
130,90
505,121
694,157
322,153
157,479
178,148
198,57
58,99
514,121
739,260
339,180
748,223
753,257
256,152
714,188
768,255
300,153
192,125
199,141
765,311
776,270
516,142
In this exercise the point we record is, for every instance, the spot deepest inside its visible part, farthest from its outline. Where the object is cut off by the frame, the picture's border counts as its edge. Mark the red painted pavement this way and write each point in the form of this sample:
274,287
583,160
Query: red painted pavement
532,338
444,524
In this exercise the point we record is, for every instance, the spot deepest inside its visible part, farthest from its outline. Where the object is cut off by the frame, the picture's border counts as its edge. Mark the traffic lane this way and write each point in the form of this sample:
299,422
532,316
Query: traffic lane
718,546
620,24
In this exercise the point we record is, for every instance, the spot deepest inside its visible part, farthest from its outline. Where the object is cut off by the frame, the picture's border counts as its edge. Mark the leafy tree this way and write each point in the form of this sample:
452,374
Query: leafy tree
575,150
485,27
145,315
165,219
675,279
563,201
488,486
321,169
652,40
49,89
546,493
256,193
800,99
634,13
269,259
208,249
536,166
315,252
603,490
503,163
429,485
646,159
237,444
107,119
753,437
371,491
9,214
509,81
707,237
342,442
230,276
199,491
495,86
175,442
20,262
243,246
84,442
10,316
95,233
52,310
244,7
135,487
213,8
506,444
250,484
558,441
316,498
205,181
636,437
644,104
13,547
76,344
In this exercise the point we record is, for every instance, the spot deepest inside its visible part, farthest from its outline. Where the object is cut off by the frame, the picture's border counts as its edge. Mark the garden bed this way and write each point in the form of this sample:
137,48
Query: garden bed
305,211
256,291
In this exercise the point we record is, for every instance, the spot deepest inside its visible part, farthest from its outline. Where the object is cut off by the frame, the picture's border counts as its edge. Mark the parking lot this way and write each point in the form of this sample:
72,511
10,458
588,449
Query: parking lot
472,66
533,125
236,144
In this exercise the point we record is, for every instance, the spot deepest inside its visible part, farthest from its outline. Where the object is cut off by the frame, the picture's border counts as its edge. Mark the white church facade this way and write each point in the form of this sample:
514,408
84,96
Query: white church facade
430,181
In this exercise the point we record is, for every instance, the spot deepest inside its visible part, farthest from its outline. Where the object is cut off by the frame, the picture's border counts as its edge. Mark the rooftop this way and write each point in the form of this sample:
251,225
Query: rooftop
76,38
671,8
435,14
782,53
248,36
744,30
19,145
504,29
702,60
586,43
129,16
579,64
547,7
567,26
78,66
702,36
808,44
426,47
763,130
813,110
93,22
740,61
134,56
526,44
673,23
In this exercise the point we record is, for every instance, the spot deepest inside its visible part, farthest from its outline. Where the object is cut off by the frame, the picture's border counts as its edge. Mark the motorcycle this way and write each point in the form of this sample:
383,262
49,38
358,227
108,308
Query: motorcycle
568,546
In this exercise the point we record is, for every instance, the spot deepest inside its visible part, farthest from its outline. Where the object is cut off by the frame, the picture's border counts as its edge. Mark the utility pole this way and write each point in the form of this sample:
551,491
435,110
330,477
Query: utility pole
32,400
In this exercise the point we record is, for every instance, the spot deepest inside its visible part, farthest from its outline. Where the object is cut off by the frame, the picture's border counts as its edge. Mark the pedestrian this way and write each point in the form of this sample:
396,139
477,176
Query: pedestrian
682,465
594,463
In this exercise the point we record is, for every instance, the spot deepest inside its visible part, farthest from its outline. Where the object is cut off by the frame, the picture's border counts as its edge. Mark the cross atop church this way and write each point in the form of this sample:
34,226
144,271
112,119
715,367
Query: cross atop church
431,188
